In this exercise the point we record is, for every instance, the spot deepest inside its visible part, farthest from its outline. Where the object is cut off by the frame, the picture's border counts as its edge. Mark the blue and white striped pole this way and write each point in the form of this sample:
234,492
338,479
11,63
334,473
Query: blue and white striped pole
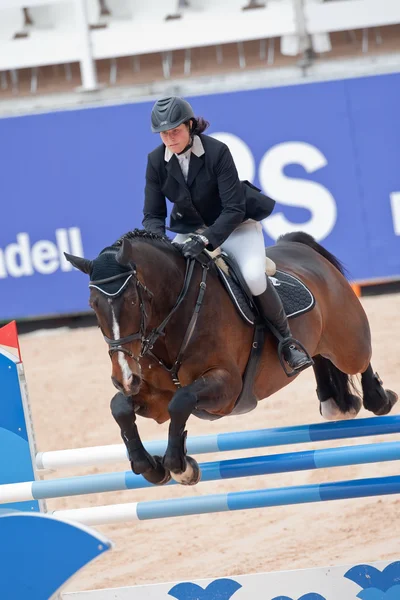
302,494
211,471
226,442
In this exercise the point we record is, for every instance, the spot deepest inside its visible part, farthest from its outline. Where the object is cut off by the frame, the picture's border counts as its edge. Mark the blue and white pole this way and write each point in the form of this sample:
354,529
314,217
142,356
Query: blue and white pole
211,471
226,442
303,494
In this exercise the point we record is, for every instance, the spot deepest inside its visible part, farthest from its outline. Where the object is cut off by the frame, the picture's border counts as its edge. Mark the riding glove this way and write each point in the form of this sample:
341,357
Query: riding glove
194,245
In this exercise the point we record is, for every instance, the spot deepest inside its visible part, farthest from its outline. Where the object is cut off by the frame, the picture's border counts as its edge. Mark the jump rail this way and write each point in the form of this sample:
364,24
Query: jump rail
211,471
226,442
179,507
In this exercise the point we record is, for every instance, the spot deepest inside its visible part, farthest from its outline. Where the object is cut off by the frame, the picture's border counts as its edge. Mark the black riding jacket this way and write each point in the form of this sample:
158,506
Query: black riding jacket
213,199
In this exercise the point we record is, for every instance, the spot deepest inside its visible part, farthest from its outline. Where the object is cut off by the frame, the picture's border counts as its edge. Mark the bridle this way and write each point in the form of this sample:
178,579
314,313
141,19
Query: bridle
148,341
117,345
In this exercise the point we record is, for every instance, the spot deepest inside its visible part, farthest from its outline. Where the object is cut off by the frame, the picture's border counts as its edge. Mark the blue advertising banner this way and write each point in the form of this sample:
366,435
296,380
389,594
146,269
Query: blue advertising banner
328,153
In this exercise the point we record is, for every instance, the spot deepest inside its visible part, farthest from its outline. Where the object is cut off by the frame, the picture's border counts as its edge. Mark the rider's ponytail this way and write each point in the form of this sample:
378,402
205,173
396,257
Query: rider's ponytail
199,125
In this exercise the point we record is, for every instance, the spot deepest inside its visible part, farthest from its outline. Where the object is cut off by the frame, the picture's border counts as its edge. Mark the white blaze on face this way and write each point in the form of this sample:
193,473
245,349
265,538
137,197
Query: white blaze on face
123,363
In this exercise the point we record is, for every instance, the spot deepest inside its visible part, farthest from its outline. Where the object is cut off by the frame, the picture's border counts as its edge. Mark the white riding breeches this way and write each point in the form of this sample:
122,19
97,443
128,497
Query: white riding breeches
246,246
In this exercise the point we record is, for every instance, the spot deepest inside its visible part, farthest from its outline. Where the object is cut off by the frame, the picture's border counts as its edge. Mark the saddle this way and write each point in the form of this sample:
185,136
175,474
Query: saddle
295,295
297,299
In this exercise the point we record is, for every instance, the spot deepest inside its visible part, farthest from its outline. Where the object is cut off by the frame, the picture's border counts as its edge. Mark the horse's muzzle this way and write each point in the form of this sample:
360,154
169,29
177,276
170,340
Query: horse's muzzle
130,387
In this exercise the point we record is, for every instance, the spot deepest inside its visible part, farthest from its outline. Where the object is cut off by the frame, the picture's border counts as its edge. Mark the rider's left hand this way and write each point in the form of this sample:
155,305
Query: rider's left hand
193,246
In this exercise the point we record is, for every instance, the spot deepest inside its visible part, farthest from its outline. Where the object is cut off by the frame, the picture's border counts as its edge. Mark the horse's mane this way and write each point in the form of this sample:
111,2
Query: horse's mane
141,234
162,241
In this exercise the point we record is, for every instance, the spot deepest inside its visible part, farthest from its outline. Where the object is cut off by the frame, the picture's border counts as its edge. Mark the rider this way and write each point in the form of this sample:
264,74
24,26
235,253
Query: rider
211,207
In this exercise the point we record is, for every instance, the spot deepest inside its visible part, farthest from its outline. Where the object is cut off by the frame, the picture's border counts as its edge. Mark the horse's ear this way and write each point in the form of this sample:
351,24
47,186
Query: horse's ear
83,264
123,256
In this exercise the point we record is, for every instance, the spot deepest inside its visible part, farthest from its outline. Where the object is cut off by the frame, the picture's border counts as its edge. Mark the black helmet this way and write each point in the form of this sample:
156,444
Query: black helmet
170,112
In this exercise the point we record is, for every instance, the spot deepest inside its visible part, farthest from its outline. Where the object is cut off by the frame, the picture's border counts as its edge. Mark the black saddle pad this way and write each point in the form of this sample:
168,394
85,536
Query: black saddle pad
296,297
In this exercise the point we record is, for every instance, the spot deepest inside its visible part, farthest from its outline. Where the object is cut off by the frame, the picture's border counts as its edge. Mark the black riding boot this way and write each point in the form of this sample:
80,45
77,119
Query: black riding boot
271,308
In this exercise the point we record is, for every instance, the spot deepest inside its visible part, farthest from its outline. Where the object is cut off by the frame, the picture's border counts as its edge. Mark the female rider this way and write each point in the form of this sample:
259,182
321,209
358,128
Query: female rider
197,174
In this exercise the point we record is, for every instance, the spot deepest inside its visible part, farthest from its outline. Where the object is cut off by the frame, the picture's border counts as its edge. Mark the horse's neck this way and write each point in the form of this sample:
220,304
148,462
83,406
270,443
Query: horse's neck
162,272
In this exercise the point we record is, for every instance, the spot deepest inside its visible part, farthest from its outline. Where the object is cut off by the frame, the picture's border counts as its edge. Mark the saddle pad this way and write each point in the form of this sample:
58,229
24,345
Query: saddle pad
296,297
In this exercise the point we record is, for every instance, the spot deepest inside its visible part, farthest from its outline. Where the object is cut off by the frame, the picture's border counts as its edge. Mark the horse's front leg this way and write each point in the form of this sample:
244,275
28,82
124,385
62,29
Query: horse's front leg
142,463
214,391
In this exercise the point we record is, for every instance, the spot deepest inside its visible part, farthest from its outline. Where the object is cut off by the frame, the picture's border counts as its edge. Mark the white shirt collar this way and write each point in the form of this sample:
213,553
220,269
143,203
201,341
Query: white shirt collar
197,149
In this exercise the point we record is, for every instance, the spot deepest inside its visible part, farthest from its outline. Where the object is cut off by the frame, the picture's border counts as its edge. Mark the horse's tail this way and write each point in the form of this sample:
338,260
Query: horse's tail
308,240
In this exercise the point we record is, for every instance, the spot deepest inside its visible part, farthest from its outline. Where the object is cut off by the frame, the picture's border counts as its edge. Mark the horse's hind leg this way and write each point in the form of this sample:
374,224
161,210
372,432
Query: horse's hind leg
375,397
334,392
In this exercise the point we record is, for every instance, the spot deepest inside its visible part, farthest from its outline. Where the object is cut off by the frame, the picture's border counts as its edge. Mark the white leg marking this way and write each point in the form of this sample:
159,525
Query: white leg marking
123,363
331,412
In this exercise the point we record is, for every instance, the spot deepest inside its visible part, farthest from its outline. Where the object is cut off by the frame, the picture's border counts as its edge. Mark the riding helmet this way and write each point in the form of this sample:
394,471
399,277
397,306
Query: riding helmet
170,112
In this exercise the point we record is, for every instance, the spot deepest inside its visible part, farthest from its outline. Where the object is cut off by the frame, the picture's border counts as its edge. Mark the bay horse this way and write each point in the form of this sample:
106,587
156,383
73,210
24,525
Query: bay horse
178,349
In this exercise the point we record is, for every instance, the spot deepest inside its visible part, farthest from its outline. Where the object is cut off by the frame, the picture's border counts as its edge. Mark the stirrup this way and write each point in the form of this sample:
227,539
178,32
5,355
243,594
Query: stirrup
290,341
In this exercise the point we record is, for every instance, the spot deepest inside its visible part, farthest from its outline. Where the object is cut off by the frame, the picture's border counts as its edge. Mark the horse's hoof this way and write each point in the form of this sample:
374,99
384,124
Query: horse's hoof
329,409
191,475
354,406
392,398
159,475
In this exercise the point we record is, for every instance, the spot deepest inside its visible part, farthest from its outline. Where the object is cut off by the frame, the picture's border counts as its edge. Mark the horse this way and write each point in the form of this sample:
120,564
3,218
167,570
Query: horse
189,347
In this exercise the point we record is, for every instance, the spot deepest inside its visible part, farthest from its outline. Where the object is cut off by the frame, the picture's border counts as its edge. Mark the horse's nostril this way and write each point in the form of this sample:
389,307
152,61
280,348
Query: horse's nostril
116,383
135,383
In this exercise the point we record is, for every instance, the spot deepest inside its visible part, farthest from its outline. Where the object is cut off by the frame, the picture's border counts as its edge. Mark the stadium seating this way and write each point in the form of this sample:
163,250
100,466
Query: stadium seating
342,15
68,32
54,40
